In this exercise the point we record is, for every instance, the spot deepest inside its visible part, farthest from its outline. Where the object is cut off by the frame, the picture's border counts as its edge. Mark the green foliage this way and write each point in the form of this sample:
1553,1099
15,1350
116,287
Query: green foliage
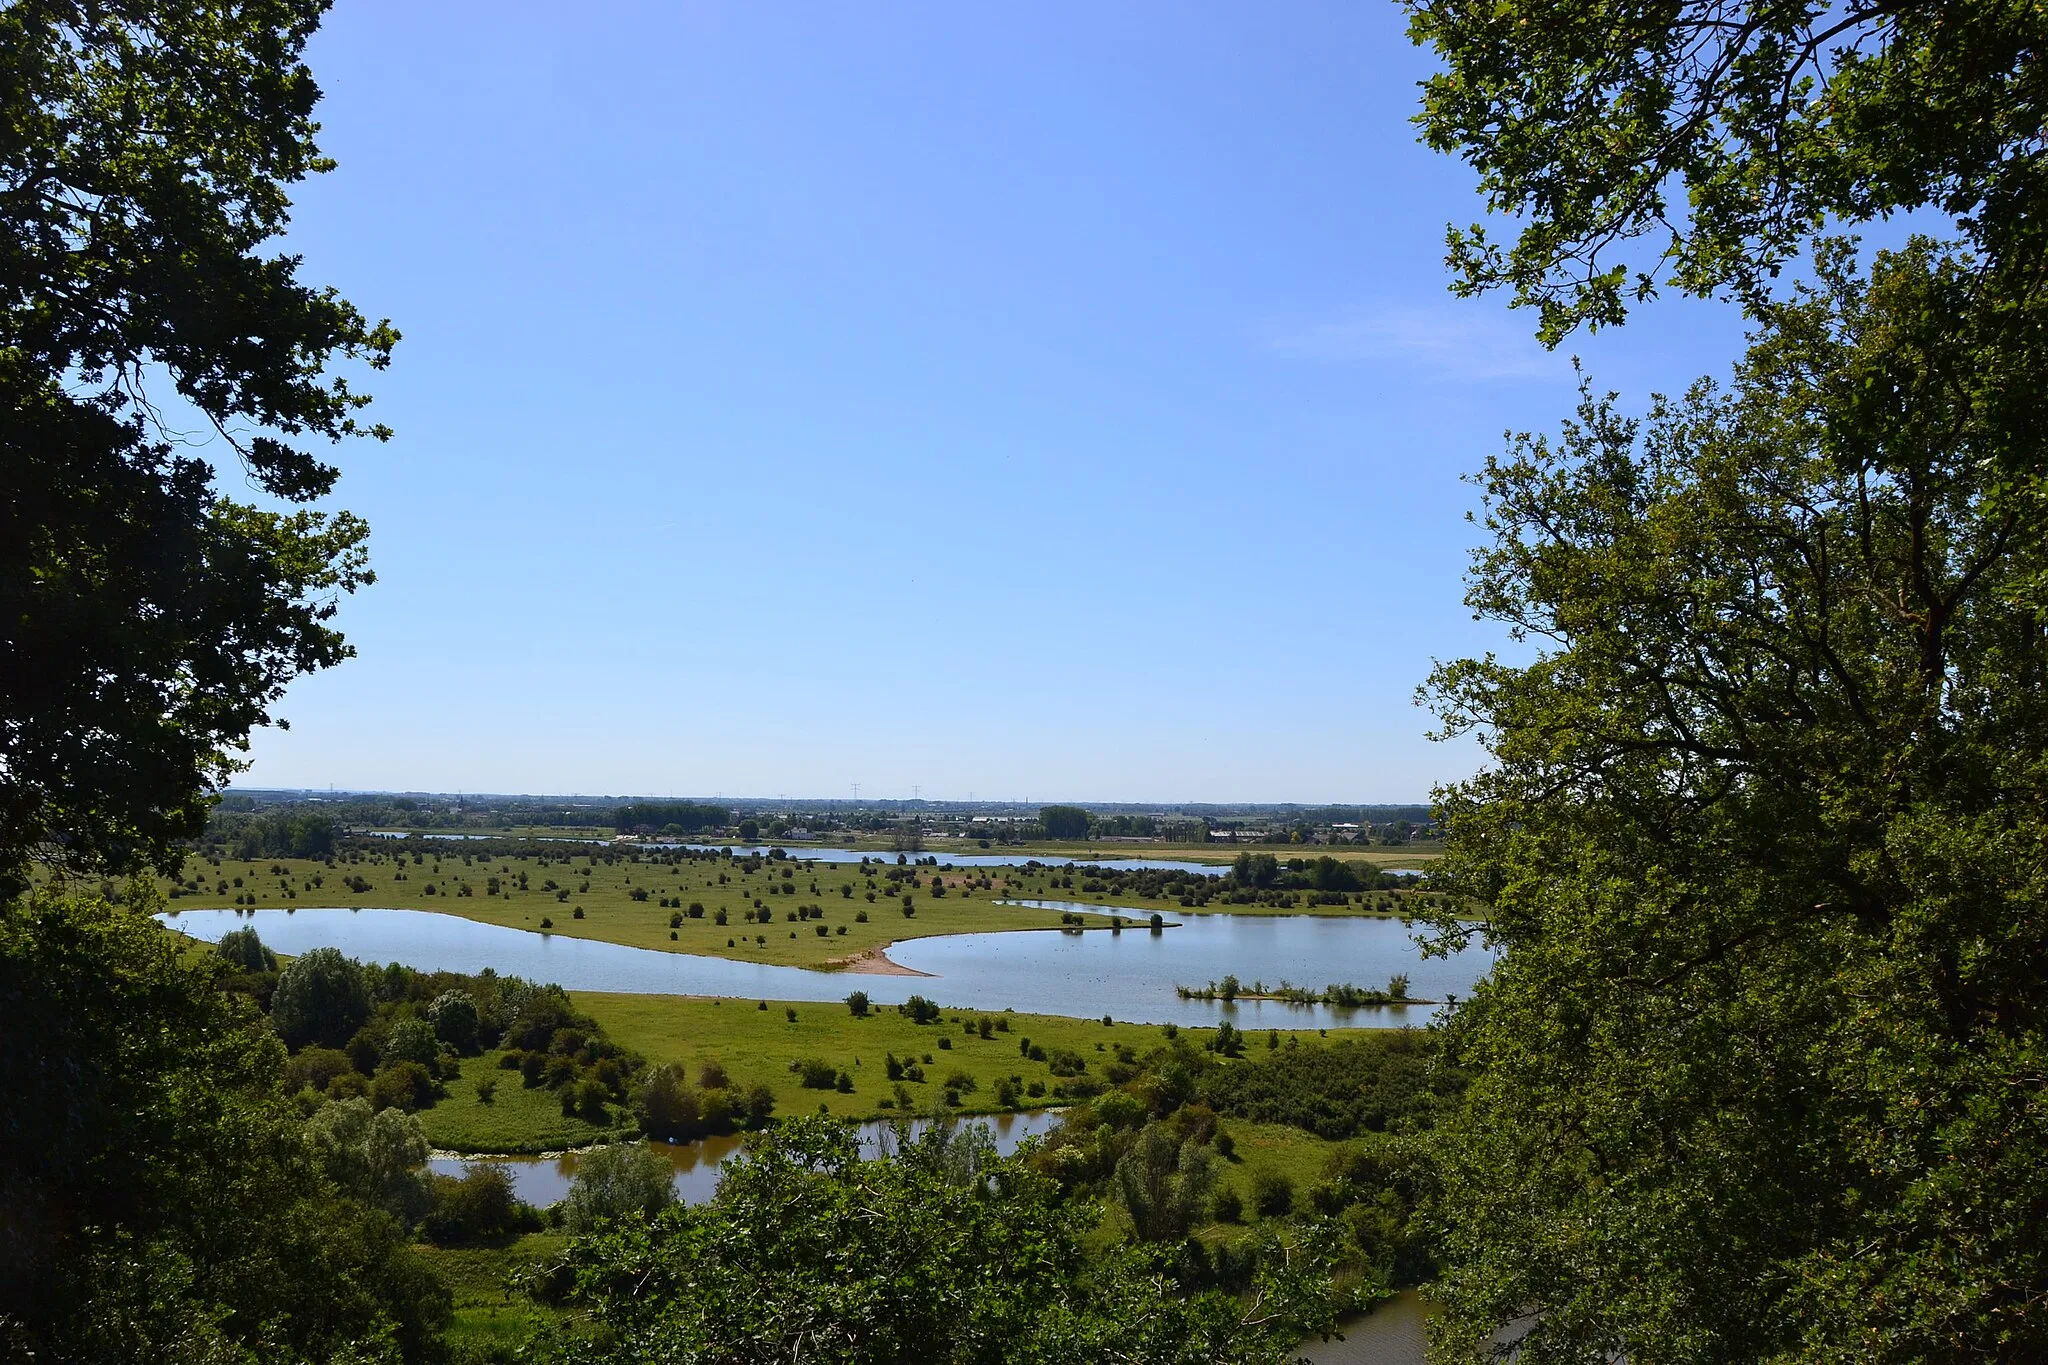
937,1253
244,950
404,1085
1758,1072
478,1207
455,1019
413,1040
1064,822
687,817
1163,1180
1272,1194
1728,136
160,1200
1373,1082
377,1155
617,1181
320,999
151,621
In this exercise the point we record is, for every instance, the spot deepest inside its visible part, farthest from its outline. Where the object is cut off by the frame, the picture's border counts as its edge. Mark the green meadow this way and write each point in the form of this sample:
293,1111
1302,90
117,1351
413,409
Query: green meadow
791,912
763,1042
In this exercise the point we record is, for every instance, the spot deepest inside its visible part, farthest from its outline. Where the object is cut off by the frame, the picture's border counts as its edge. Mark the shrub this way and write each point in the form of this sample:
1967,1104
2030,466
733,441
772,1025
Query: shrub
712,1076
316,1067
455,1019
1272,1194
667,1106
586,1100
857,1004
617,1181
487,1090
244,950
814,1073
402,1085
1229,1206
478,1207
920,1010
412,1040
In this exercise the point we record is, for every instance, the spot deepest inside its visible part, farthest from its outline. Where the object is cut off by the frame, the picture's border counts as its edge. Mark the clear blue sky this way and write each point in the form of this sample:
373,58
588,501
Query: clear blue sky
1050,401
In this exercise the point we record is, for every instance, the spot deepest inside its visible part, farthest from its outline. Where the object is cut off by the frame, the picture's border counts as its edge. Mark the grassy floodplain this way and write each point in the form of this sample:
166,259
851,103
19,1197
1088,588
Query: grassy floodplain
758,1046
818,914
543,891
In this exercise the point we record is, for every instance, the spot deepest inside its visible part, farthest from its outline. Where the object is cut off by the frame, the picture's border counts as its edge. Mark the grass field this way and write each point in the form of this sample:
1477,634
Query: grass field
756,1046
518,1118
488,1311
817,914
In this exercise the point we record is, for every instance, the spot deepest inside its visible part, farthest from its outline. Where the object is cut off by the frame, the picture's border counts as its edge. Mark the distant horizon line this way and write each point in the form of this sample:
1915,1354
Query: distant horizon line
600,798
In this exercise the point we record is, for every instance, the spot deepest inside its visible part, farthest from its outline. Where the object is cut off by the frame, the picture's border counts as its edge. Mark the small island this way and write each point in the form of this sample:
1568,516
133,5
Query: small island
1230,990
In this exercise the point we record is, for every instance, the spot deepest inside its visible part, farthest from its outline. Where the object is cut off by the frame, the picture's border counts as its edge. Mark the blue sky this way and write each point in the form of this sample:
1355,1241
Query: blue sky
1039,402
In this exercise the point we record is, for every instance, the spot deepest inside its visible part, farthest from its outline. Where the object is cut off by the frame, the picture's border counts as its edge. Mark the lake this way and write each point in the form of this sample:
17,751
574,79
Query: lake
1130,976
544,1180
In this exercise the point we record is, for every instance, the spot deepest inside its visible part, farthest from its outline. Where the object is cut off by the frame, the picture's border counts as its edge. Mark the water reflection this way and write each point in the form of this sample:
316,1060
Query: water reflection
544,1180
1129,976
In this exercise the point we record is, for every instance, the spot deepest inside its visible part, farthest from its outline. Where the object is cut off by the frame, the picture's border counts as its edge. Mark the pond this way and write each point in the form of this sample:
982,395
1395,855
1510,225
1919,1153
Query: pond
544,1180
1130,976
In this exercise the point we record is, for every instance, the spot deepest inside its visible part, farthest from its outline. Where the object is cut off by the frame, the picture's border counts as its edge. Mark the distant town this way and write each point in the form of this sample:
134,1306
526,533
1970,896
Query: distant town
905,823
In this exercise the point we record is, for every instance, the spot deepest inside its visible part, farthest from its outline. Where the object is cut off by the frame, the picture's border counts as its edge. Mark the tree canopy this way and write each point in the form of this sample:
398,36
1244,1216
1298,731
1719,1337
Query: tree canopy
1759,1072
147,623
937,1254
1064,822
160,1197
1724,137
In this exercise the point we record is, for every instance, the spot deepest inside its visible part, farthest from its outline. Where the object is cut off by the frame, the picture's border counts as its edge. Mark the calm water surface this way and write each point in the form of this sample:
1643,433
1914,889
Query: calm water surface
1392,1334
1129,975
544,1180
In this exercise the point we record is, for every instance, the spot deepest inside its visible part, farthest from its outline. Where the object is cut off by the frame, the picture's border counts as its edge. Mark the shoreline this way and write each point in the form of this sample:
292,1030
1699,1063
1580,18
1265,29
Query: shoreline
874,962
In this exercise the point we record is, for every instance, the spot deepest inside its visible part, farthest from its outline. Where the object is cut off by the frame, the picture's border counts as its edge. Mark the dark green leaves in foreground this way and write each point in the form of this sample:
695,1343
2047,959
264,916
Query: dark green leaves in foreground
940,1255
1763,1070
160,1199
147,623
